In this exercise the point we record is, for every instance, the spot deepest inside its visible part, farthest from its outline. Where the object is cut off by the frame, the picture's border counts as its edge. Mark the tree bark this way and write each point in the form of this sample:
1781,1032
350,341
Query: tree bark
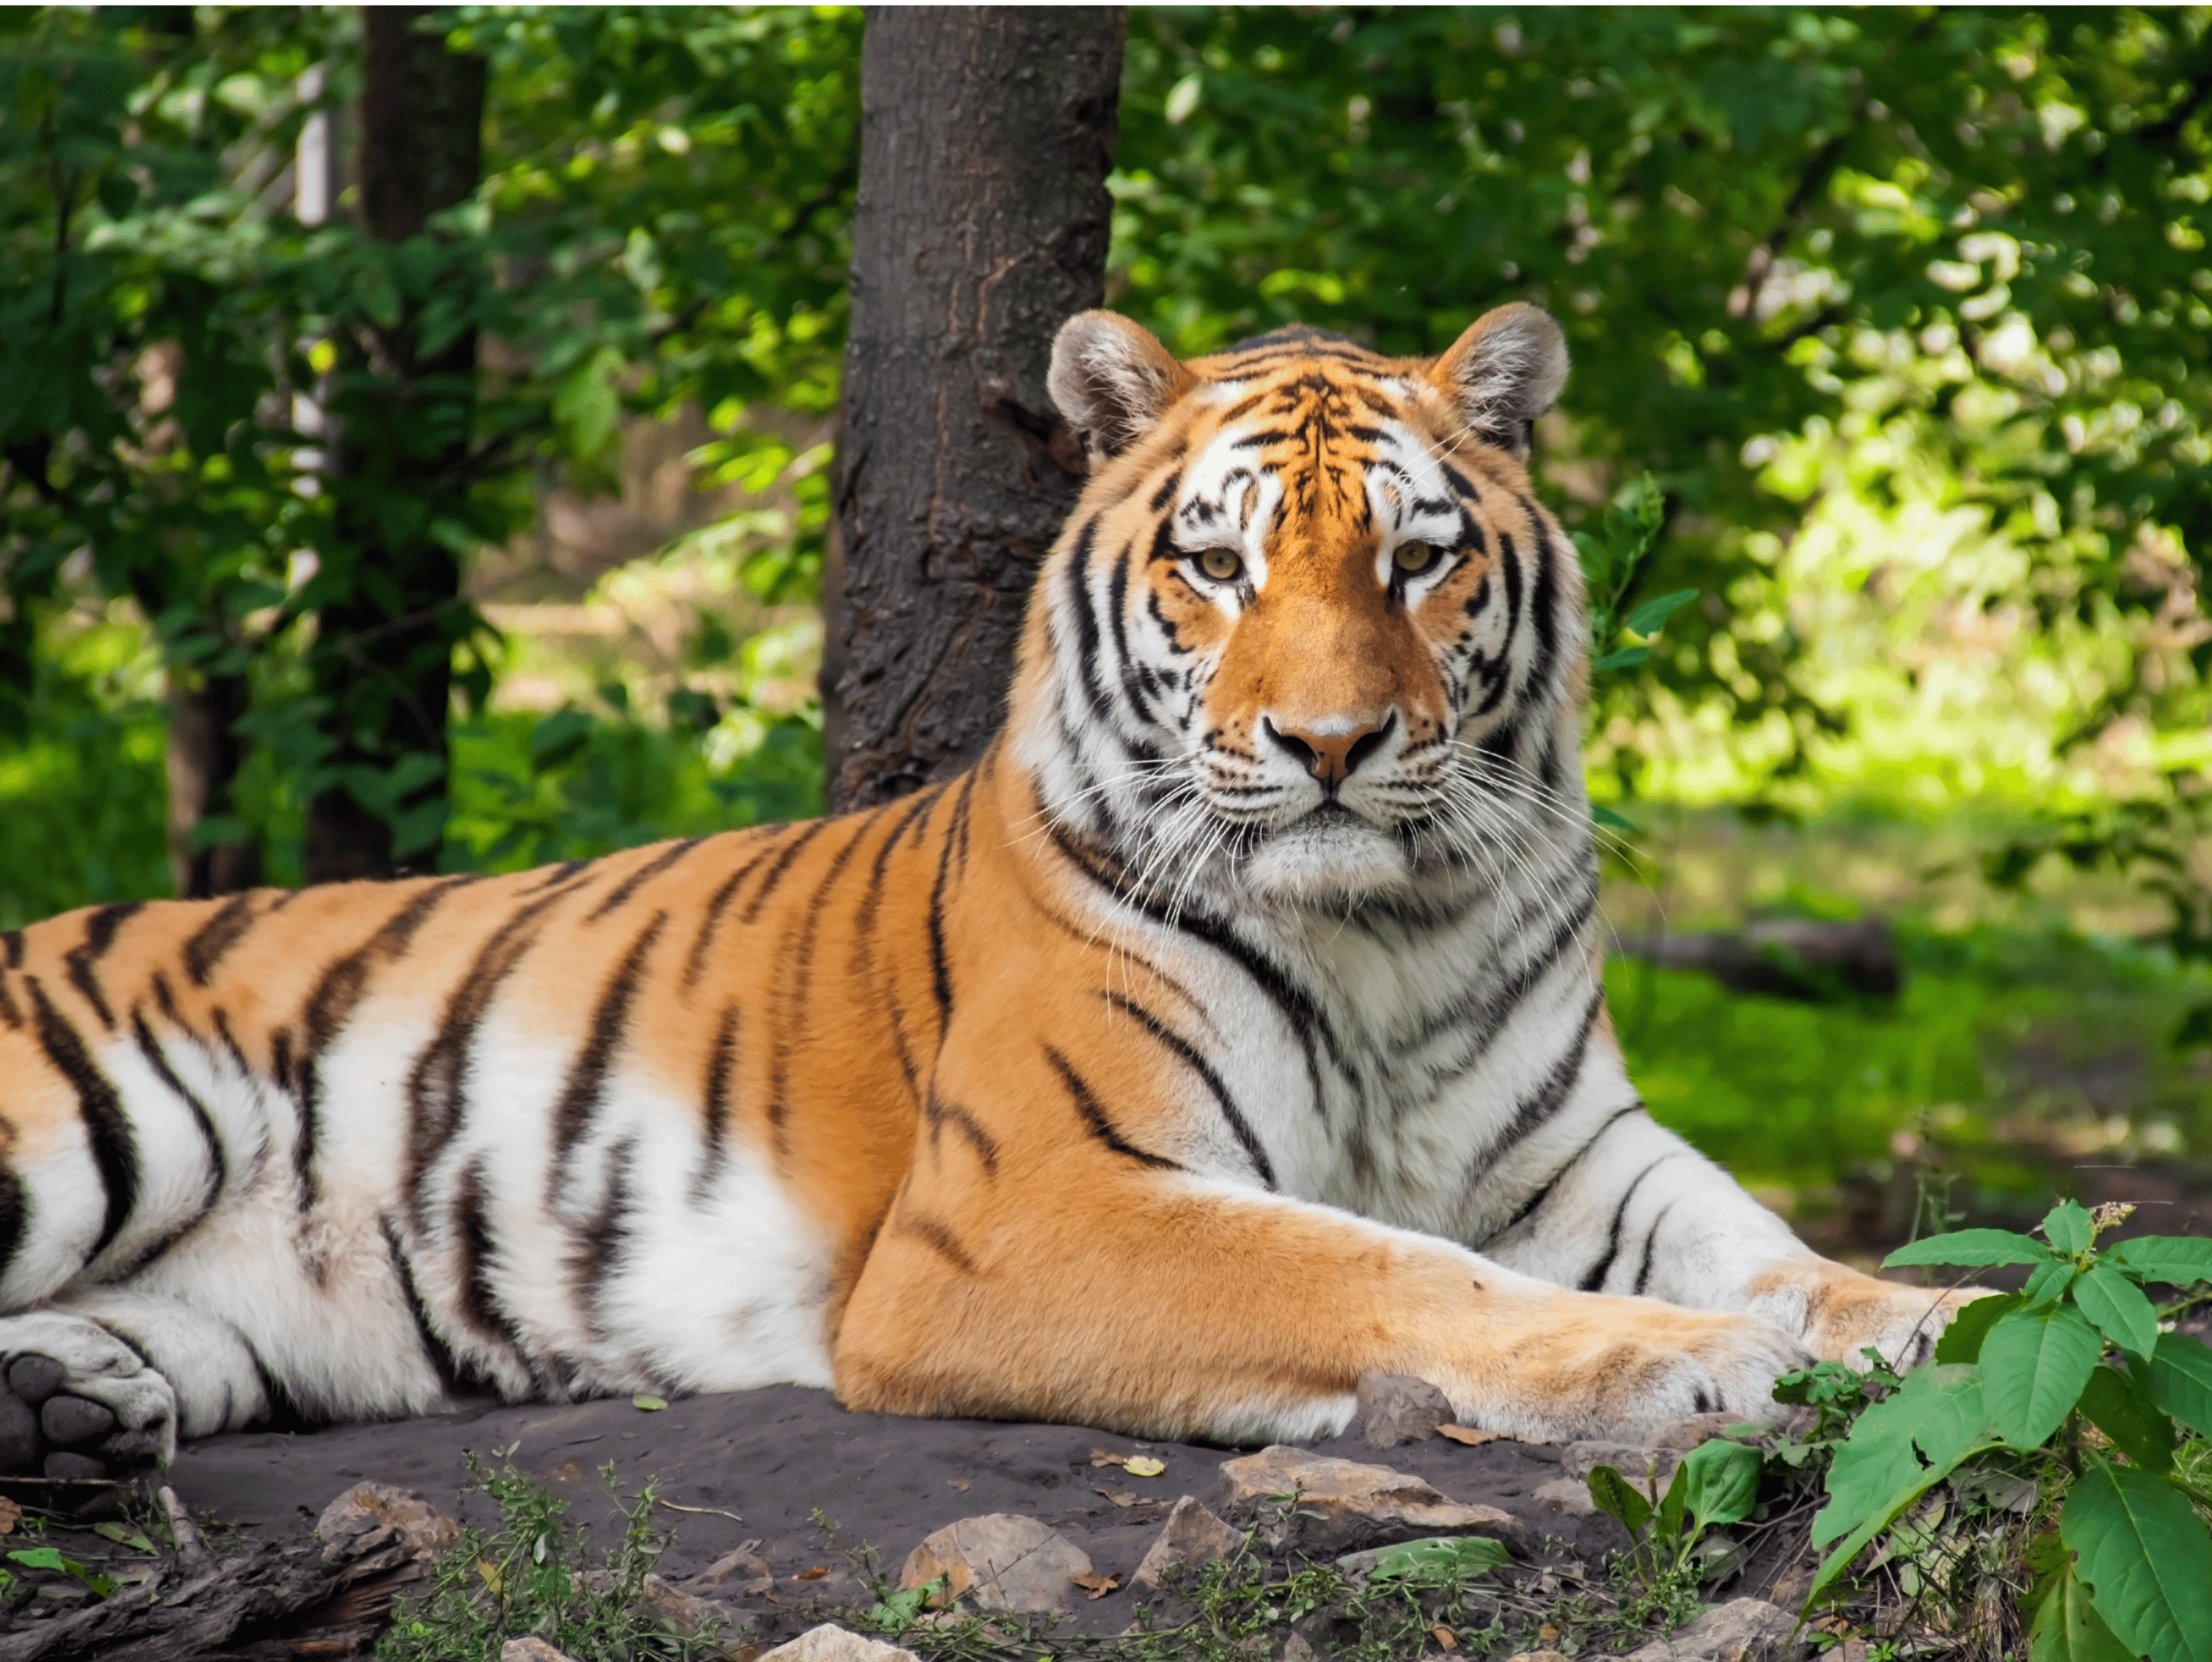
204,755
383,653
981,225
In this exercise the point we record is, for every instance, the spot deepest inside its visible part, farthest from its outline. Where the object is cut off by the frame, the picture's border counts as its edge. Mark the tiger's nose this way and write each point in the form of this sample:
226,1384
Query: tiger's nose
1331,756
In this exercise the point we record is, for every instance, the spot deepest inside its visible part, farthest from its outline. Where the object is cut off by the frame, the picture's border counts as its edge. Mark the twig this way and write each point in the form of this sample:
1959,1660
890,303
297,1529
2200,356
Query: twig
715,1511
191,1552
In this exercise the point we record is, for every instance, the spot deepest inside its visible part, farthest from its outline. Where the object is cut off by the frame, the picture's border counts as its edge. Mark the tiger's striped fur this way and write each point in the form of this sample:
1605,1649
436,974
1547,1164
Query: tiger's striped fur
1232,1030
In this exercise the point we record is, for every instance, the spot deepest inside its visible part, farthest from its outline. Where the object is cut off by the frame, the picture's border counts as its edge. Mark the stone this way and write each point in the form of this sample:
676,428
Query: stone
1744,1630
1565,1496
830,1643
688,1615
1636,1464
1397,1408
1298,1648
1343,1505
368,1507
19,1438
741,1571
35,1378
72,1420
1537,1656
1005,1561
530,1648
1686,1434
1192,1538
65,1466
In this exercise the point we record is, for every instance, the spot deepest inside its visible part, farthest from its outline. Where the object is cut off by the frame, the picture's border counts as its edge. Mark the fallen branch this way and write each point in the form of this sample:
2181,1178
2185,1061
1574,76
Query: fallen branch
1787,958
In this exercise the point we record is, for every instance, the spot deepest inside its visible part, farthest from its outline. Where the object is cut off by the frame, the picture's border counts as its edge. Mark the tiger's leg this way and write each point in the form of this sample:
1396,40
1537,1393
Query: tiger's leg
101,1384
1610,1202
1083,1279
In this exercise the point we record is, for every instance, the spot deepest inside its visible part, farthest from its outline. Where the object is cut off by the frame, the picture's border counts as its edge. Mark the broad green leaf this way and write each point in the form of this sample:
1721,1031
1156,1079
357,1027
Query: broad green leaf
2131,1418
2146,1559
2067,1227
1650,617
1442,1558
1962,1340
2179,1259
1967,1247
2067,1628
1616,1496
1622,658
2034,1365
2047,1284
1723,1482
1937,1412
2180,1379
2117,1305
1613,822
1880,1519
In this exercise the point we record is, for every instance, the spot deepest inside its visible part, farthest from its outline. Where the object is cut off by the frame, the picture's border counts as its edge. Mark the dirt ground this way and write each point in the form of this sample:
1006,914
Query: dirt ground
757,1465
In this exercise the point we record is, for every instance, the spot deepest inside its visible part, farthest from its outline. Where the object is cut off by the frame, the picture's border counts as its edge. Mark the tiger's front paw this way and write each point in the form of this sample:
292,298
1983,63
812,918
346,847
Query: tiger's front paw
75,1401
1841,1312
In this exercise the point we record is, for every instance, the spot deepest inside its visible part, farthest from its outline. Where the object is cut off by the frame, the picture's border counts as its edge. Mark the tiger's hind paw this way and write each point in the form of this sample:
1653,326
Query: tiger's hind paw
75,1401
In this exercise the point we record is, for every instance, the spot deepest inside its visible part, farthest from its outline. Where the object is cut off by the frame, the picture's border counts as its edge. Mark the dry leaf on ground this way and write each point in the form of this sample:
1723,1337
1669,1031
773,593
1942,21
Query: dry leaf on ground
1106,1457
1445,1637
1469,1435
11,1515
813,1575
1097,1586
1119,1497
1143,1465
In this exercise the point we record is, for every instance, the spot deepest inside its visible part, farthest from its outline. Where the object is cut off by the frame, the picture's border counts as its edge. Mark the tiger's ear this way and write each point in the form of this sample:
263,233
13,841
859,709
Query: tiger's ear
1112,380
1504,372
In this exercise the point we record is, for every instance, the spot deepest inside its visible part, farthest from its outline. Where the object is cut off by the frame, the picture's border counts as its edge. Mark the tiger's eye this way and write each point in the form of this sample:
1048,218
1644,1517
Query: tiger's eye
1413,558
1220,564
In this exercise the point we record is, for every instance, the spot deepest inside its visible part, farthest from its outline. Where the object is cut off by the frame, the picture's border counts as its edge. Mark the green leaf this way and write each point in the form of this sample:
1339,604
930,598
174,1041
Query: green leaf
2068,1228
1968,1247
1723,1482
1439,1560
1962,1340
2048,1284
1601,815
2146,1559
40,1558
2034,1365
2117,1305
1880,1519
1937,1412
2180,1380
1651,617
1622,658
2131,1418
1616,1497
650,1404
2181,1261
119,194
2067,1628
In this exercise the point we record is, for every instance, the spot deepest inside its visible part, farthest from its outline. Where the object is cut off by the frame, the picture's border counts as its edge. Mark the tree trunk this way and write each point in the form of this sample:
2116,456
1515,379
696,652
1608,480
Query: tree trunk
981,225
204,756
383,654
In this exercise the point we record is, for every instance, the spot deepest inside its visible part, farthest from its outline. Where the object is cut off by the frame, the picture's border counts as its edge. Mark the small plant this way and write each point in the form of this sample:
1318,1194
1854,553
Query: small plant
530,1577
2068,1383
1717,1484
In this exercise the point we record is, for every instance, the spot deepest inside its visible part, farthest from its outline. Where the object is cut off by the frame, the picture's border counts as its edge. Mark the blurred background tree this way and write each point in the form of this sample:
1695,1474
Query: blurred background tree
1894,343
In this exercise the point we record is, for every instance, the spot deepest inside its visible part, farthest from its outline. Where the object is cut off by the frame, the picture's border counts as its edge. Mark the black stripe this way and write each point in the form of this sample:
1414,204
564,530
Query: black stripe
1643,1270
792,991
435,1096
479,1300
452,1379
645,874
939,1239
1165,492
14,1204
1510,563
1545,1190
115,1150
217,936
218,1163
941,986
1487,1019
593,1254
711,919
1078,597
1188,1054
940,1114
329,1007
586,1088
1549,1096
1543,603
1595,1278
776,872
100,935
556,876
10,1015
1094,1116
721,1075
11,946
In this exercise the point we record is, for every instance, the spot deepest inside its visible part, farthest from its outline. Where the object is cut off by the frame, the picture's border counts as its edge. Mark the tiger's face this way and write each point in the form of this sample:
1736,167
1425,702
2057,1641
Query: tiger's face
1304,593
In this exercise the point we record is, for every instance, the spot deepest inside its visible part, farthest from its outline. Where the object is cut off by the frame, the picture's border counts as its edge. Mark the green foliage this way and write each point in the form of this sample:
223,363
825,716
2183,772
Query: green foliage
1716,1484
532,1576
1440,1560
2016,1386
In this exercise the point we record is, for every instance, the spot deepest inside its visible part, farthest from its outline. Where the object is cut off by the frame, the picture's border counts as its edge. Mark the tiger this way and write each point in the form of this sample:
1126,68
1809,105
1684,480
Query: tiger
1232,1031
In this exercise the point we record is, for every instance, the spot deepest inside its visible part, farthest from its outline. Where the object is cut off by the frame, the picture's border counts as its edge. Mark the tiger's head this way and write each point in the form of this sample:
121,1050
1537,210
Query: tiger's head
1308,631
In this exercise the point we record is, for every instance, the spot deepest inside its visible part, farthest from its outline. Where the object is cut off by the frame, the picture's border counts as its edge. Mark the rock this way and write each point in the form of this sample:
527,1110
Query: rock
1580,1459
1537,1656
1686,1434
1357,1505
366,1507
1398,1408
1007,1560
741,1571
19,1438
1191,1537
531,1648
1744,1630
72,1420
830,1643
1567,1497
64,1465
679,1609
35,1378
